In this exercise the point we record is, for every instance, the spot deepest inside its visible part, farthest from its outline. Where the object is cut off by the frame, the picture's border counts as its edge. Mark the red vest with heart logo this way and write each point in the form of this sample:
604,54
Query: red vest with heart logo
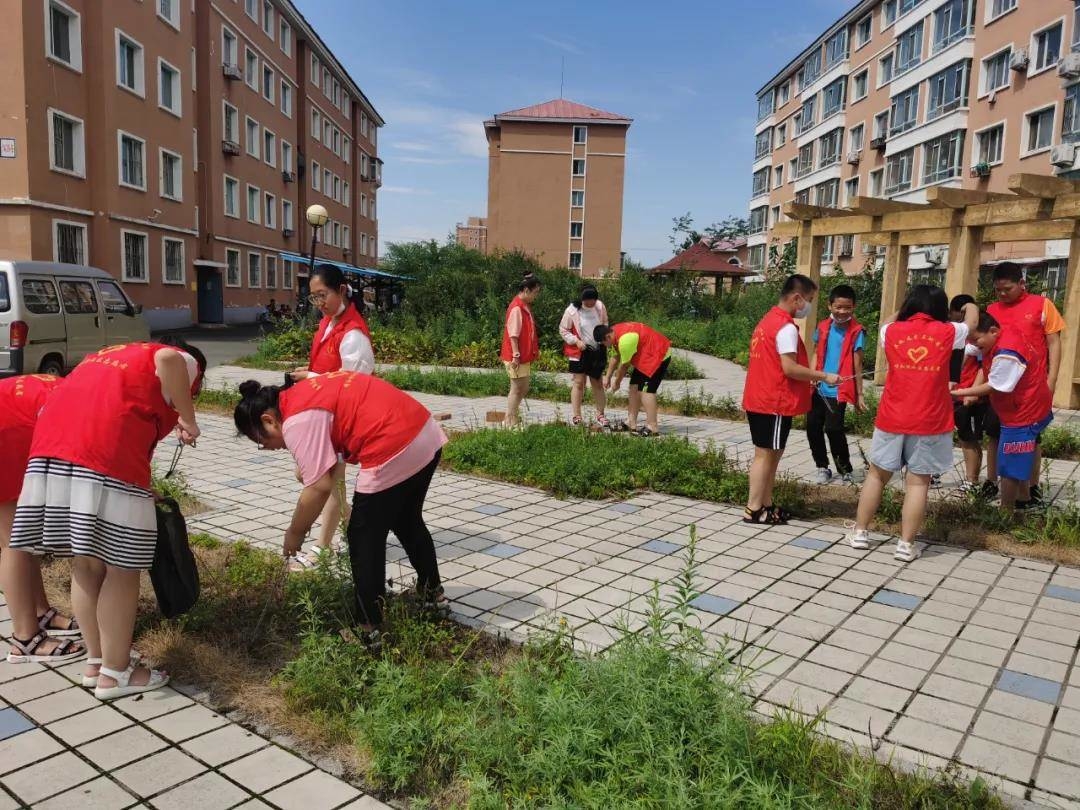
916,400
1031,401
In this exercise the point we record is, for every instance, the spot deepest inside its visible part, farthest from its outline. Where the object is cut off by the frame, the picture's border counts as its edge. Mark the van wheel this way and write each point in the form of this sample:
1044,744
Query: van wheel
52,365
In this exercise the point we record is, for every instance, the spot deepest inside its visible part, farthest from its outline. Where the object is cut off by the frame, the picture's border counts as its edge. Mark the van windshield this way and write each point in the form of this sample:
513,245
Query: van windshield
5,299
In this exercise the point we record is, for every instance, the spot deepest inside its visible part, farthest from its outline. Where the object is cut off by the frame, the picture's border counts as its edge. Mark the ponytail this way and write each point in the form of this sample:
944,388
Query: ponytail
332,276
255,400
529,282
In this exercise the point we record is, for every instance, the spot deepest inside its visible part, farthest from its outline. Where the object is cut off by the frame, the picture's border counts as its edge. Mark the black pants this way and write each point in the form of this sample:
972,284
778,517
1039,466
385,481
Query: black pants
399,509
827,419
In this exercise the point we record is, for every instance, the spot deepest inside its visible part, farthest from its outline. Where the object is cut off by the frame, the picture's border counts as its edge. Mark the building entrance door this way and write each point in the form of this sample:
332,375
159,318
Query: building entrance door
211,300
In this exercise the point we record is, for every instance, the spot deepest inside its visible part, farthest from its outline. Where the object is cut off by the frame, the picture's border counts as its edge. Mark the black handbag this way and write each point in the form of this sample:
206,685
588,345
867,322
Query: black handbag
174,575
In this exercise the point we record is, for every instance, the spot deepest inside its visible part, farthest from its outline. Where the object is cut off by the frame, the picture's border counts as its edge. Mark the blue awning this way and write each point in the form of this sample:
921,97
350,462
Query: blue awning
371,272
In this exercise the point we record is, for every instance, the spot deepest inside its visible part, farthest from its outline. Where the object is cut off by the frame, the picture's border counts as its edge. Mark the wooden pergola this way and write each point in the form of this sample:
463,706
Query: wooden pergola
1039,208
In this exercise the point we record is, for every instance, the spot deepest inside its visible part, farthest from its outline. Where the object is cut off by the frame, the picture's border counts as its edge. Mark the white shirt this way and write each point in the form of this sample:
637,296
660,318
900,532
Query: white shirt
590,319
1005,372
192,372
959,339
356,351
787,339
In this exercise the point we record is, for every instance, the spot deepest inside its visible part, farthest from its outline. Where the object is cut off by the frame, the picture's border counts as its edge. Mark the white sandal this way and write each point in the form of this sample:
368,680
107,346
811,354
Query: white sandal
90,681
124,687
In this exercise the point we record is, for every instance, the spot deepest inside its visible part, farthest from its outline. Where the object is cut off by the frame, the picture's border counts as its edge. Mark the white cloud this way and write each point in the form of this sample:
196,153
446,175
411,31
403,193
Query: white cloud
449,131
406,190
413,146
426,161
561,44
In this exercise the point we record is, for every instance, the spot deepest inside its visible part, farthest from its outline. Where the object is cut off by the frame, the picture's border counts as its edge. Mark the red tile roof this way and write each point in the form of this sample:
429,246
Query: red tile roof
563,110
700,258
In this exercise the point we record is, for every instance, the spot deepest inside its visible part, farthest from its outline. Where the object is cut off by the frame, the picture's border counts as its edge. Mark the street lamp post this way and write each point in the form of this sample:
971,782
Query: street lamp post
317,217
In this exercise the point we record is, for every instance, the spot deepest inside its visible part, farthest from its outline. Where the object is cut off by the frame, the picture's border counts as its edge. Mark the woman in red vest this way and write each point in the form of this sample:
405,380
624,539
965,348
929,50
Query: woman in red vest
520,344
648,353
397,444
914,425
87,491
33,620
342,341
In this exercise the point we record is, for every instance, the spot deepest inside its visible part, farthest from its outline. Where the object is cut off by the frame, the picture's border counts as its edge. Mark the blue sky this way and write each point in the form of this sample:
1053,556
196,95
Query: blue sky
686,73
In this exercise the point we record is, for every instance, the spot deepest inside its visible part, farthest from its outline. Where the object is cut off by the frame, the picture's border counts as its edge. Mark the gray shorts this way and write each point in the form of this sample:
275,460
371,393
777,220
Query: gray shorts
922,455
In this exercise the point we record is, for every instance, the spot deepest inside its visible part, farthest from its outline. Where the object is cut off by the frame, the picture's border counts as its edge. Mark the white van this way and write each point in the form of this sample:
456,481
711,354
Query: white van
52,315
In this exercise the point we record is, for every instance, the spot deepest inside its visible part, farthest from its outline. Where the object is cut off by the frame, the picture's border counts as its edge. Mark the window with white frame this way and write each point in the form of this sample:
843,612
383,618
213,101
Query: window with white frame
808,115
885,69
316,124
857,138
286,156
760,182
251,8
851,190
909,49
784,94
778,176
881,124
364,166
69,242
346,150
860,85
364,244
948,90
580,134
836,48
1047,48
316,176
780,135
172,260
346,200
337,188
172,178
327,182
130,71
1040,128
830,146
898,171
253,203
315,70
168,87
64,35
904,112
759,219
346,105
364,124
68,137
371,206
269,147
271,272
269,210
230,122
169,10
827,194
232,197
268,18
763,144
995,71
576,229
863,30
337,141
877,182
285,37
1070,117
952,22
326,86
228,47
251,68
943,157
254,270
132,161
328,130
252,137
575,261
232,268
346,237
999,7
805,160
287,215
134,256
337,233
363,205
286,98
888,13
990,145
578,168
268,79
286,275
833,98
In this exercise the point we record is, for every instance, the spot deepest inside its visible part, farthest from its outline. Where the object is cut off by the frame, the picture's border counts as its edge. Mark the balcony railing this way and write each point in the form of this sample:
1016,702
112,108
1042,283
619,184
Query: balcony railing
951,37
944,109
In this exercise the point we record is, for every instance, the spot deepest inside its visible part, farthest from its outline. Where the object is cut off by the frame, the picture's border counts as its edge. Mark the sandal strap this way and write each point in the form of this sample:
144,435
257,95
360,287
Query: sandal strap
31,646
122,678
46,618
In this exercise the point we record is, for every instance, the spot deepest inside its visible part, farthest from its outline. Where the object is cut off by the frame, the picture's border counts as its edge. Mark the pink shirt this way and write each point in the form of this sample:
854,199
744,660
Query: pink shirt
307,437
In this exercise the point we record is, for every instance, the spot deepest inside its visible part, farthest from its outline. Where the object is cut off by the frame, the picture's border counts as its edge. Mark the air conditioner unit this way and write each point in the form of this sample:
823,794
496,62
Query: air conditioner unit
867,249
287,232
1063,156
934,255
878,143
232,72
288,177
1019,59
1069,66
853,157
230,147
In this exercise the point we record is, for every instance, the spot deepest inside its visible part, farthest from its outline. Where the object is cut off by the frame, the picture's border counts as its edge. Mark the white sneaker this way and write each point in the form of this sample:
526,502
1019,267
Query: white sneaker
822,475
905,552
967,487
859,538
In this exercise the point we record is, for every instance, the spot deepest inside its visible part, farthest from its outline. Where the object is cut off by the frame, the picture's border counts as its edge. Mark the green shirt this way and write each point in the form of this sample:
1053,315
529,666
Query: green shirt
628,346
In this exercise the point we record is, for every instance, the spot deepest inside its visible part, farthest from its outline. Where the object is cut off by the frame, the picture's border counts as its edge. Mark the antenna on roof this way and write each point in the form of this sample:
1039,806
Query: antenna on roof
562,75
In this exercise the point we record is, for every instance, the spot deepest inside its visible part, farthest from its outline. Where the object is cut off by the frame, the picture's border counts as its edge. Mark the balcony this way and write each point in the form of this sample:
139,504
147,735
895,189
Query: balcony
230,147
951,38
288,177
232,72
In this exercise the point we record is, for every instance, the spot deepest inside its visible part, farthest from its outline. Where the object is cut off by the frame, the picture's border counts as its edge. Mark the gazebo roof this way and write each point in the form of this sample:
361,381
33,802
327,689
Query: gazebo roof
706,259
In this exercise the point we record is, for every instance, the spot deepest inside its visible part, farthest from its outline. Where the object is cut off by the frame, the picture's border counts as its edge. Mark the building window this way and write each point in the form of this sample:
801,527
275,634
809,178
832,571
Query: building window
169,10
778,176
952,22
269,210
327,86
268,18
254,270
286,215
576,230
908,5
134,262
881,125
269,147
328,129
1047,49
327,182
68,144
271,272
268,84
807,116
1070,118
760,182
828,193
580,134
833,98
803,197
758,217
836,48
784,93
898,172
64,35
857,138
316,176
337,141
1040,126
577,197
860,85
285,38
888,13
885,69
877,182
851,190
766,105
943,157
806,161
172,261
286,276
253,203
251,68
286,156
829,151
909,49
228,47
575,261
315,70
129,64
316,125
168,87
231,122
346,200
251,8
948,90
346,150
999,7
990,144
232,197
811,69
578,168
286,99
171,176
252,137
904,112
996,71
132,161
781,135
863,31
69,242
763,144
232,267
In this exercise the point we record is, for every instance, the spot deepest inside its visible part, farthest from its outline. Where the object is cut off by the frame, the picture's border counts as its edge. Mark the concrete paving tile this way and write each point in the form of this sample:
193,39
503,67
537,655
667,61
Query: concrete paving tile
49,777
189,722
1020,708
924,736
207,792
998,759
34,686
878,694
12,723
941,712
152,704
314,791
158,772
805,699
115,750
1058,777
1067,720
859,717
90,725
266,769
1029,686
366,803
894,673
1064,747
59,705
100,794
856,642
1040,667
910,656
965,692
1017,734
980,653
21,750
838,658
966,670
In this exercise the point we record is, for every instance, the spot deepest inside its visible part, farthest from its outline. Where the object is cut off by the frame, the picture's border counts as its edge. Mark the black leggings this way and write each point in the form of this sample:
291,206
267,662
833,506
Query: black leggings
827,419
399,509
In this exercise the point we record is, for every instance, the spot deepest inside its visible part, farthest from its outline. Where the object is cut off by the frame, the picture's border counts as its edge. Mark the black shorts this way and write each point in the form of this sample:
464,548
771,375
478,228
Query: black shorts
591,363
768,430
970,421
991,422
650,385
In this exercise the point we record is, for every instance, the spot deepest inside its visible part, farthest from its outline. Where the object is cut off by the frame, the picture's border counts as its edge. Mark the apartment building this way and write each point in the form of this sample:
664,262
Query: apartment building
473,234
169,142
901,95
555,184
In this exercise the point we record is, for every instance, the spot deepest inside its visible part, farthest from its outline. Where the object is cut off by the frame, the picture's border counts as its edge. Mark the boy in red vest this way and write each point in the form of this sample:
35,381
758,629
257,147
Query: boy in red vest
648,353
778,379
1021,397
839,342
1041,326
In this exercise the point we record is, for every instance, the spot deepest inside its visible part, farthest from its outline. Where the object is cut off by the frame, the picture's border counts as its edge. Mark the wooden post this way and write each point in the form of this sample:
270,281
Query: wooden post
808,264
894,285
1067,393
965,250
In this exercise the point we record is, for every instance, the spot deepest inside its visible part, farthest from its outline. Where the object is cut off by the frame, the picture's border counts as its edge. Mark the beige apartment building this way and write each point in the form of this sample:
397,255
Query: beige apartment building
901,95
473,234
177,144
555,185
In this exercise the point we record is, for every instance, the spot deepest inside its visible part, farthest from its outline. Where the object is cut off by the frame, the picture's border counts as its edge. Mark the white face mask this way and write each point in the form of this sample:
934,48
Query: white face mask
843,320
804,310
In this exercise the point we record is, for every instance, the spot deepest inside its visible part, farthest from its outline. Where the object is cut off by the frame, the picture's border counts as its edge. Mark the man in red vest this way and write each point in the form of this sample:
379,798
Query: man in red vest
1021,397
1041,326
646,351
778,388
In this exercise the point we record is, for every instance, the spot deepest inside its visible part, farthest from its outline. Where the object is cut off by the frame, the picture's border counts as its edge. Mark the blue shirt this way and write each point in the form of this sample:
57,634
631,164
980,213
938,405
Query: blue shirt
833,348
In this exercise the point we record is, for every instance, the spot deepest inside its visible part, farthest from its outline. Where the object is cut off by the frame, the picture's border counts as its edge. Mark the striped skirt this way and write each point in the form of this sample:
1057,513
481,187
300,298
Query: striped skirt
67,510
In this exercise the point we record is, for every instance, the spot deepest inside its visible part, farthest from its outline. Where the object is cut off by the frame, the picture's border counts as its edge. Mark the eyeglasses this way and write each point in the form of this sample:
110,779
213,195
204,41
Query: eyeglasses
317,298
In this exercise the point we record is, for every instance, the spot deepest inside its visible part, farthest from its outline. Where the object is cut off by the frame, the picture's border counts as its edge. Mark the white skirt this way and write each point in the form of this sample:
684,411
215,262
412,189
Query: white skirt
67,510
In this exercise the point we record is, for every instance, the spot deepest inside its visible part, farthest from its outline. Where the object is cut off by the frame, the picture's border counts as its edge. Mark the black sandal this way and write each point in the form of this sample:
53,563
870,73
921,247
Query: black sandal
45,620
620,427
780,515
58,655
757,516
646,432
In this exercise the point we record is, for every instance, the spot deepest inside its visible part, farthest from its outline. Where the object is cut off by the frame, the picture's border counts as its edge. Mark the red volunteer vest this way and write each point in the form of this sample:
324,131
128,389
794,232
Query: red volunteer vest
326,354
21,398
528,341
916,400
768,389
652,346
969,370
1032,400
373,420
1025,317
846,391
108,415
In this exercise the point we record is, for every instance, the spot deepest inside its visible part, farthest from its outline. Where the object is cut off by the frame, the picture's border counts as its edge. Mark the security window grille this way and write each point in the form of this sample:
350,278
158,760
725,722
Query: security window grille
131,161
254,270
65,143
70,247
134,257
174,261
